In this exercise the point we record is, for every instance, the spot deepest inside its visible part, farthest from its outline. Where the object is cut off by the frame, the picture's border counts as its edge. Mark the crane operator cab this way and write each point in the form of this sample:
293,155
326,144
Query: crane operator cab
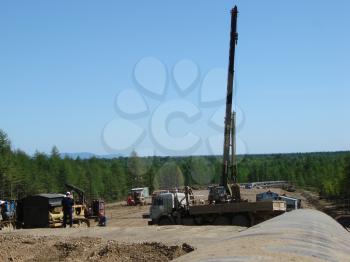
235,193
217,194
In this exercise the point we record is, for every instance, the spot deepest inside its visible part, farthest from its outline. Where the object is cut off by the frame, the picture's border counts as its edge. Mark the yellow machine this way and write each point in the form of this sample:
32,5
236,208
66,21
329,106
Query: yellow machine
79,216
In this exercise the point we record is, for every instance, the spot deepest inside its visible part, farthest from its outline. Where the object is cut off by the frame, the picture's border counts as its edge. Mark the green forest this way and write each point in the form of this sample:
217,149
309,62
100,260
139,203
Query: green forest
111,179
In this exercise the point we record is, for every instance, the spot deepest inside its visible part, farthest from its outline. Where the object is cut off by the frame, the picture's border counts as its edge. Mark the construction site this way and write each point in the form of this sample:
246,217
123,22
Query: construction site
128,237
273,220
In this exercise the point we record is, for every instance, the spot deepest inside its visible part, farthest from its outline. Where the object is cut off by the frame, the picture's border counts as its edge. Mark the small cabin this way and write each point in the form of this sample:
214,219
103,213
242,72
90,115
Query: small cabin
34,210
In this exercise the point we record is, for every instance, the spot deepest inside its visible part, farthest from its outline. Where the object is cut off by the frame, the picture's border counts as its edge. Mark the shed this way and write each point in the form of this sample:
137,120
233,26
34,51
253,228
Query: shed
35,209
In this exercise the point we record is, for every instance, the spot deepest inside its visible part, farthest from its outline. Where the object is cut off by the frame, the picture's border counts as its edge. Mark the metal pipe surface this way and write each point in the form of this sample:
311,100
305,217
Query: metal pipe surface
301,235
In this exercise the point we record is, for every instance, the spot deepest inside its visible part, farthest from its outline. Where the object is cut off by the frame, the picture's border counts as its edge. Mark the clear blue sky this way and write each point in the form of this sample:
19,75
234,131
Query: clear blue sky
62,64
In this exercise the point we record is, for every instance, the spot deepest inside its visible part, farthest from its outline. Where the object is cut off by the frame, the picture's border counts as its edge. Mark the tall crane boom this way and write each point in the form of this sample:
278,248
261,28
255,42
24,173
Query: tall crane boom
229,163
225,205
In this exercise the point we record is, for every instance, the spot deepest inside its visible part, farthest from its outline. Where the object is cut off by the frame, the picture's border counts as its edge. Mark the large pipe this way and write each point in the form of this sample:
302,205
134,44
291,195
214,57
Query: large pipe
301,235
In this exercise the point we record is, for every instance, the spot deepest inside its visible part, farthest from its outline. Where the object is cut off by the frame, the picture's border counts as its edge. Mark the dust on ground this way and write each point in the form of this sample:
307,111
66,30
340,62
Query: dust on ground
120,215
51,248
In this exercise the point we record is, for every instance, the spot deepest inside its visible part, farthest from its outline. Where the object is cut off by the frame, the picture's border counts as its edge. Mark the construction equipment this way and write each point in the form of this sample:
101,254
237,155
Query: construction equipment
7,214
229,166
81,194
217,194
137,196
43,210
229,160
85,209
80,209
225,204
96,208
173,208
291,202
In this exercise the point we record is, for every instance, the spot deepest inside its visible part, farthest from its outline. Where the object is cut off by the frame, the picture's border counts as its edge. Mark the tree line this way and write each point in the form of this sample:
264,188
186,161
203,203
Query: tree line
111,179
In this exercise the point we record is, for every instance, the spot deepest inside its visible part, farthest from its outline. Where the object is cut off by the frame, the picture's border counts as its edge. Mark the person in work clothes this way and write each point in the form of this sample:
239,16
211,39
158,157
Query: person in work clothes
67,204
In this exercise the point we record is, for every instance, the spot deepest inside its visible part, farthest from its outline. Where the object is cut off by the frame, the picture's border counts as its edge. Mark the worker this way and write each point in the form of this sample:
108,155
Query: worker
188,194
130,201
67,204
102,220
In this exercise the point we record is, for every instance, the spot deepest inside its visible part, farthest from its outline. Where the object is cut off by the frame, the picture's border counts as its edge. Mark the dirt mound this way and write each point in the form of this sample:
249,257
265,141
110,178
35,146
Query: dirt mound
30,248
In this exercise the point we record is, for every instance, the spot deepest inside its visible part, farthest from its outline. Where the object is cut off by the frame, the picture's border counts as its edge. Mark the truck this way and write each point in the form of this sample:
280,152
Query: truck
225,205
174,209
137,196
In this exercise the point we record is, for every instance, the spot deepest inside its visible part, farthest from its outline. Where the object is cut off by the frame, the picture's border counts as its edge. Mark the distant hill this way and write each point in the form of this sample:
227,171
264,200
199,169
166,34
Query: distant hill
87,155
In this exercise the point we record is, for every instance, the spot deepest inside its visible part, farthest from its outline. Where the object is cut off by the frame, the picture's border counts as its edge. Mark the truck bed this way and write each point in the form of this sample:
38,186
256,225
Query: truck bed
240,207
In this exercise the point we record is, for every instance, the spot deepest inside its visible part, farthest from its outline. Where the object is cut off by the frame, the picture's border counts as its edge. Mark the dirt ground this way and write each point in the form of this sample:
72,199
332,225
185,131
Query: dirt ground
51,248
127,237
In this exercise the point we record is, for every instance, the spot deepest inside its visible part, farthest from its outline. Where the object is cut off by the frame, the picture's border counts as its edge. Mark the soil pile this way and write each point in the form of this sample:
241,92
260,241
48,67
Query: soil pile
32,248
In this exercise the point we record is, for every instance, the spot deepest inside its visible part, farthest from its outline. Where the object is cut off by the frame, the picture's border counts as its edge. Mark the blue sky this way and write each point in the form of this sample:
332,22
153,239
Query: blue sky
63,64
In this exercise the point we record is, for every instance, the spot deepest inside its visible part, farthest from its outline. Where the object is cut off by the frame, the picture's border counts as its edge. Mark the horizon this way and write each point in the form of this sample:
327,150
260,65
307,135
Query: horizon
184,156
75,155
115,77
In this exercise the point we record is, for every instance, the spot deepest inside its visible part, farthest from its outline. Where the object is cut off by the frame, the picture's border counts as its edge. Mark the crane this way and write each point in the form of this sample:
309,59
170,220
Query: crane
225,206
224,192
229,167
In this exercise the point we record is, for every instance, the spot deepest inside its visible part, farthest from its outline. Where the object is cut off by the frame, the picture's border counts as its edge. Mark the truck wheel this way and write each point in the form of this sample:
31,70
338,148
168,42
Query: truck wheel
163,221
210,219
222,220
241,220
198,220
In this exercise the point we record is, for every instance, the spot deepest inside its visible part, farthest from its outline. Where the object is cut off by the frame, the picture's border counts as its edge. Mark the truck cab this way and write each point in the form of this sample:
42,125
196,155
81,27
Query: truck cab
137,196
163,206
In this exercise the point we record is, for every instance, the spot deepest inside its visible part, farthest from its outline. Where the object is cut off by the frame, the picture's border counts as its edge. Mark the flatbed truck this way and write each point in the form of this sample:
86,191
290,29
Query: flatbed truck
225,205
173,209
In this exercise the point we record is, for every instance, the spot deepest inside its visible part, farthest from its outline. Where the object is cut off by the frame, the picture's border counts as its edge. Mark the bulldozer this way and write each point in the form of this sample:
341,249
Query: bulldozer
95,209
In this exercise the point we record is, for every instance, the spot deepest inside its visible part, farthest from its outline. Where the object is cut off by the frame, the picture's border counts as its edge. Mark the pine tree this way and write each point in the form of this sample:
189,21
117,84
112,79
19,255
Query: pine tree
135,170
346,180
169,176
